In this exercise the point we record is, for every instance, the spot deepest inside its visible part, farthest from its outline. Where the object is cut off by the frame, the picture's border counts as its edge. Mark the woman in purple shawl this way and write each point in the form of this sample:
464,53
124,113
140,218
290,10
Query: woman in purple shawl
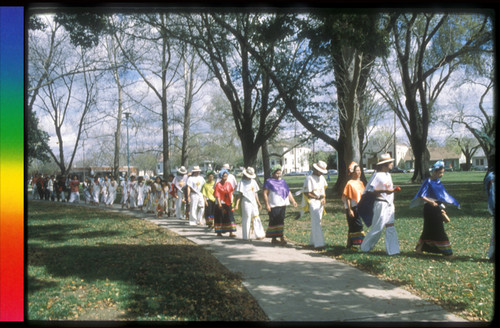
276,196
433,195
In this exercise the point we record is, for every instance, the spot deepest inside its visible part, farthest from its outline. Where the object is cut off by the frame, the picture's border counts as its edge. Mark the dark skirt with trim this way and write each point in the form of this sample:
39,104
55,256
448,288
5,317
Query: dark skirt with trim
224,219
355,232
276,226
433,235
209,212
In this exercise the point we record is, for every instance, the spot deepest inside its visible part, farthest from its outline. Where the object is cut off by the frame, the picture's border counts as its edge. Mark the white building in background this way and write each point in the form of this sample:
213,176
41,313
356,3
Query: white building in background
292,160
372,152
479,160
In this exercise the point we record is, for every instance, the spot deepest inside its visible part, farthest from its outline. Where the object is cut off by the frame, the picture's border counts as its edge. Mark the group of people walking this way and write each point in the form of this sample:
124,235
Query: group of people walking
381,189
209,201
61,188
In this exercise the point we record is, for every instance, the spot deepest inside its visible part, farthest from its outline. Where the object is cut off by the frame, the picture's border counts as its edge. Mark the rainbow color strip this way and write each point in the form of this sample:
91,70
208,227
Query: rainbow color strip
11,163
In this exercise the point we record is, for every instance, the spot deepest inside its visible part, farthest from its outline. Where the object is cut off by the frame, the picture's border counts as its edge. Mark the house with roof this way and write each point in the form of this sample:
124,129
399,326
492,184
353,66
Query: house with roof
294,159
452,159
479,160
373,150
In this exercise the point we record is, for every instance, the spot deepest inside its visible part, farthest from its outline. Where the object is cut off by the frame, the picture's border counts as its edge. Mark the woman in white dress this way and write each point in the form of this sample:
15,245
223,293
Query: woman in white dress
132,192
140,192
314,188
104,189
112,187
250,205
96,191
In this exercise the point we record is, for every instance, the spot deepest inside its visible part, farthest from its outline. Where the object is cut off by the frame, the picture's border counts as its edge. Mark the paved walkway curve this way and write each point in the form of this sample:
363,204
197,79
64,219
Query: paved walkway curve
296,284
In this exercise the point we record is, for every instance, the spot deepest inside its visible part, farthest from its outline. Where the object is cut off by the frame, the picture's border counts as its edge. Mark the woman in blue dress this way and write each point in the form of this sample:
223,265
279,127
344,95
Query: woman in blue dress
433,195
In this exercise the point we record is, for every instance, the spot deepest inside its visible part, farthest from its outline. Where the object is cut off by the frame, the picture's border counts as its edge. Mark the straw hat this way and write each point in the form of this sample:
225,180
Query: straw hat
320,167
196,168
385,158
182,170
249,173
352,166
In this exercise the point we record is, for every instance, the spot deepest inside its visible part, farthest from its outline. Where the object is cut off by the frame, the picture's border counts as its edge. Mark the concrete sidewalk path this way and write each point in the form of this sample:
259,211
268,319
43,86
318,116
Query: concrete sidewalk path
296,284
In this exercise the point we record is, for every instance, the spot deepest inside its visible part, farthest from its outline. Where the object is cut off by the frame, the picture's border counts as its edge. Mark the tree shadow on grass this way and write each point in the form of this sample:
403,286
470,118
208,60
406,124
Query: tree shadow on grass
164,280
37,284
64,232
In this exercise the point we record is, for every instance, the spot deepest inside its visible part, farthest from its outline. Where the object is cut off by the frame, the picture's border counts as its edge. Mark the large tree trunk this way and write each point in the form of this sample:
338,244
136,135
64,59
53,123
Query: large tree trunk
116,161
185,136
265,161
164,118
348,72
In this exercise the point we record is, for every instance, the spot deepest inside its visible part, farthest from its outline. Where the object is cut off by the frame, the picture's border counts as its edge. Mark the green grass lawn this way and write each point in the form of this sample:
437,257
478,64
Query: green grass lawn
97,265
464,286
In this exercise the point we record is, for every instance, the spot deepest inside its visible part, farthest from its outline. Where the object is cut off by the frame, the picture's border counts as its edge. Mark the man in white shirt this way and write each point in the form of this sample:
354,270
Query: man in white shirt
194,197
383,208
314,188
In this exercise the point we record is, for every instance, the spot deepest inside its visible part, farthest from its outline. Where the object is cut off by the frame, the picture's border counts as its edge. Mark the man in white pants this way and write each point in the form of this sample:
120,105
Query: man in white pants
383,208
180,182
314,188
194,197
250,205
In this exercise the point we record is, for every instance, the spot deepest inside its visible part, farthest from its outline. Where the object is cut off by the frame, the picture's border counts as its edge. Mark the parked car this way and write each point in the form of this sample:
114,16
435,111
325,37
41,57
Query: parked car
296,173
332,172
396,169
369,171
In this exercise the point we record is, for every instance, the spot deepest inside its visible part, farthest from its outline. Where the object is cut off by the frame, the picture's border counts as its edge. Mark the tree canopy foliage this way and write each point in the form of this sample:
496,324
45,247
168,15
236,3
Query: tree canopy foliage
317,67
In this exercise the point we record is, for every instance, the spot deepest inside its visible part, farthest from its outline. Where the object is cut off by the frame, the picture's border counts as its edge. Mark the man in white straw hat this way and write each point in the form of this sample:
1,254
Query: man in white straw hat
250,205
194,196
314,190
383,208
179,183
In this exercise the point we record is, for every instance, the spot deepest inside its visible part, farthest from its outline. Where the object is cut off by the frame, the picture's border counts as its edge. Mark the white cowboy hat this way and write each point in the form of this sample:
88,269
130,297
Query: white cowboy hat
182,170
385,158
196,168
320,167
249,173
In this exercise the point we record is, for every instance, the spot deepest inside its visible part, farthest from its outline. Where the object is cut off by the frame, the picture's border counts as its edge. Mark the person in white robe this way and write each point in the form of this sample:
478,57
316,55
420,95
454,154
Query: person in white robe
247,196
195,198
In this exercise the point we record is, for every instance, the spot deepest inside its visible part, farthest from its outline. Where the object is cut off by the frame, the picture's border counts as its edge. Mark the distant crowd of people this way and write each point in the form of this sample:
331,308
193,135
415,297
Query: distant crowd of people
212,199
